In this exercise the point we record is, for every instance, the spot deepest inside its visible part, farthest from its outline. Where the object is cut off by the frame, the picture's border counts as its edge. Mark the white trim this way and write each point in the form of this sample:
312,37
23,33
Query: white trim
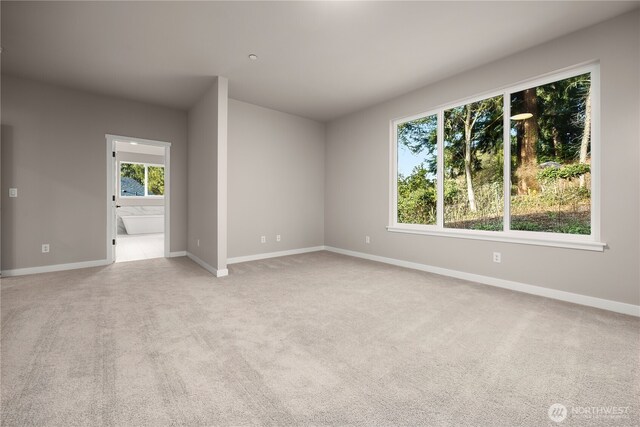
393,172
520,237
167,200
604,304
596,155
111,191
238,259
177,254
55,267
210,269
572,241
140,197
201,263
120,138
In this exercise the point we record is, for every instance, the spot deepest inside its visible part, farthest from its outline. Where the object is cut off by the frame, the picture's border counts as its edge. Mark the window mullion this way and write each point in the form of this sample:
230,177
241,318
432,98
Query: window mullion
393,191
440,171
506,148
146,180
595,153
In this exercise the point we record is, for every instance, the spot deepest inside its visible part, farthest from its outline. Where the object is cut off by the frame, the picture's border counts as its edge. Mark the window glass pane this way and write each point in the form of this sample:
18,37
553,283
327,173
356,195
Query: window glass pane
417,167
131,180
473,165
550,162
155,181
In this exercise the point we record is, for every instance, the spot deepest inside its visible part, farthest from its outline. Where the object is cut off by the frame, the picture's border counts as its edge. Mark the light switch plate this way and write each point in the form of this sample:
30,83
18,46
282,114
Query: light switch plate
13,192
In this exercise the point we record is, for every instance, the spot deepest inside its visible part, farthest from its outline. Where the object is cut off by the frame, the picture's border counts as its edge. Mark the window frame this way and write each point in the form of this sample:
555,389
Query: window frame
573,241
146,181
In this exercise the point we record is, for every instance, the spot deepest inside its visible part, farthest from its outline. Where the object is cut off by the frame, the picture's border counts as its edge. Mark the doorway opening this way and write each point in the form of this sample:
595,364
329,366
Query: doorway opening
138,206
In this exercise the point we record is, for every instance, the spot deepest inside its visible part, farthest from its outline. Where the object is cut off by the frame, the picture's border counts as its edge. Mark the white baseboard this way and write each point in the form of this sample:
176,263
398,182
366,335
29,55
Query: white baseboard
177,254
618,307
615,306
256,257
56,267
210,269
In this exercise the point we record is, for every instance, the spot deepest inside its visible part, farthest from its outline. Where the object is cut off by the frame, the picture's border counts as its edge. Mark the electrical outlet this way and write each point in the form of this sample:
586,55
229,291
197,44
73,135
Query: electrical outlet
367,239
13,192
277,237
263,239
497,257
198,243
45,248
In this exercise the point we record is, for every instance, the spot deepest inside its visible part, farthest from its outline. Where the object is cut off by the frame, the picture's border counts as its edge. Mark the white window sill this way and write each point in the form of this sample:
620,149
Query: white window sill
520,237
141,197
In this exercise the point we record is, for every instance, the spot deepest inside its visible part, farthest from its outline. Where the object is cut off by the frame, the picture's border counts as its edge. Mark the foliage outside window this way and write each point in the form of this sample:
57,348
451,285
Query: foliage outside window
550,161
141,180
417,160
458,169
473,165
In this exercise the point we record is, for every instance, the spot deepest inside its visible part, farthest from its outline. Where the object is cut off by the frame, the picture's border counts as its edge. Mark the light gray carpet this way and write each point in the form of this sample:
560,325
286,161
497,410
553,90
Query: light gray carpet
314,339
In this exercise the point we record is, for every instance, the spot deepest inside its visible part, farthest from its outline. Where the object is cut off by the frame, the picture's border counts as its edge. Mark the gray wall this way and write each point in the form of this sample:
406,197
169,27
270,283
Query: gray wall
276,180
54,152
206,162
123,156
357,171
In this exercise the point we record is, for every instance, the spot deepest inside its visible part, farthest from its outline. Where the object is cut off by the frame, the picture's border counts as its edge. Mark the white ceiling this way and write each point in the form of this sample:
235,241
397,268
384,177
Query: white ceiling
316,59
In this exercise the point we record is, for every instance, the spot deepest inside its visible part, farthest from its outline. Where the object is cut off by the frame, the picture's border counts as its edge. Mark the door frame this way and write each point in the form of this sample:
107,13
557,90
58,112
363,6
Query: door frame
111,191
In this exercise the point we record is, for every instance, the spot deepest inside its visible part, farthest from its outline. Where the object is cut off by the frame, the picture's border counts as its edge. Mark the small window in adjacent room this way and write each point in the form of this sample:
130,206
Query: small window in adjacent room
520,165
141,180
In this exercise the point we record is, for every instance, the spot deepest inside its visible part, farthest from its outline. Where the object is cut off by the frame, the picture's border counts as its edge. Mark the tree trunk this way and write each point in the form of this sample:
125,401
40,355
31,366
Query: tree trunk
467,160
528,168
586,135
556,142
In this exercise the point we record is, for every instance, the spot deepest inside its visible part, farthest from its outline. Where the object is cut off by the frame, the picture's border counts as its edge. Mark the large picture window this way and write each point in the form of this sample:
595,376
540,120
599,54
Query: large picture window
141,180
517,165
